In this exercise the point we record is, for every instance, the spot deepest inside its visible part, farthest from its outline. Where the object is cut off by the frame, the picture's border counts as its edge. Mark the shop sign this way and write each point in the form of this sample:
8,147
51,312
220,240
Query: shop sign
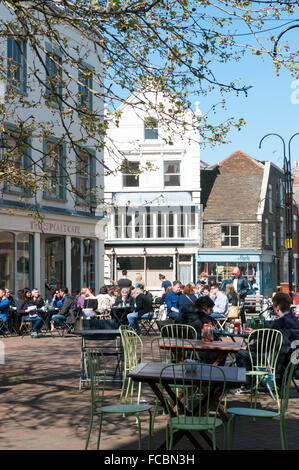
55,227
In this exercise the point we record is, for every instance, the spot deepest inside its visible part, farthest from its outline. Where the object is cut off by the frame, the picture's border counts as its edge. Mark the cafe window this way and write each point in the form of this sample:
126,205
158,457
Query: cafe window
89,263
24,260
55,264
7,257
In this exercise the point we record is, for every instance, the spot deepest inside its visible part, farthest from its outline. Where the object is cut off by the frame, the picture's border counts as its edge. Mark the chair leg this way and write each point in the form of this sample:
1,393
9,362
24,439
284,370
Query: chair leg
89,430
100,430
283,437
139,430
151,431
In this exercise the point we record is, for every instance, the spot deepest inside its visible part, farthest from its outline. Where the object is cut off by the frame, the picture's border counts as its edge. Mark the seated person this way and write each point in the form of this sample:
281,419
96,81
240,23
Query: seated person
285,321
23,310
124,299
143,308
197,315
220,300
84,294
187,297
12,302
171,300
57,300
4,305
68,311
232,295
105,301
37,299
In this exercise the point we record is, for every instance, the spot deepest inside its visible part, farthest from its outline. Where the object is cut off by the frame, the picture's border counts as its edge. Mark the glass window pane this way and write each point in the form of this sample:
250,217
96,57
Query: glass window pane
23,264
151,128
55,264
234,230
89,263
7,260
76,265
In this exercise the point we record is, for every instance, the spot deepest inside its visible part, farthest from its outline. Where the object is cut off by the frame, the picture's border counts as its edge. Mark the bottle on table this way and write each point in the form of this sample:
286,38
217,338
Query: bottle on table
261,322
252,323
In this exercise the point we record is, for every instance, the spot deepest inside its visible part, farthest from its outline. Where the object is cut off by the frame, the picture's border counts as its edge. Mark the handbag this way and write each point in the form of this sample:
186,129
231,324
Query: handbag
233,311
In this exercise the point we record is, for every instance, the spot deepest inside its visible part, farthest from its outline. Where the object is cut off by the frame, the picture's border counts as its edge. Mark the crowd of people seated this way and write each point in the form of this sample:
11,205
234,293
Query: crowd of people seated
191,303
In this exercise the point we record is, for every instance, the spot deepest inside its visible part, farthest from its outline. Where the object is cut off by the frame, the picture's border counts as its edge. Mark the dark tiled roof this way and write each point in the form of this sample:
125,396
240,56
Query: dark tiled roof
231,191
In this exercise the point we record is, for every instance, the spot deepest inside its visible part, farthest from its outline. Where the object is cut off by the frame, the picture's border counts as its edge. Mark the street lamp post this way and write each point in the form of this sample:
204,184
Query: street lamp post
288,201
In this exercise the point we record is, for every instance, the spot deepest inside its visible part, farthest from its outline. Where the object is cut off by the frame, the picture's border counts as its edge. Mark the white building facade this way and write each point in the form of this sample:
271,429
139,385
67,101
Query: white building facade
155,216
64,244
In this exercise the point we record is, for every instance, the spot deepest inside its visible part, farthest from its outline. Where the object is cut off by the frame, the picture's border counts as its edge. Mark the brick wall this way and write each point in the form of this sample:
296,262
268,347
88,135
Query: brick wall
251,235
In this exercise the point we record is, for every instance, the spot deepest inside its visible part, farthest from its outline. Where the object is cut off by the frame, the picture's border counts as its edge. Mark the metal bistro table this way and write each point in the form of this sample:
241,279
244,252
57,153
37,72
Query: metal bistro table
98,335
150,373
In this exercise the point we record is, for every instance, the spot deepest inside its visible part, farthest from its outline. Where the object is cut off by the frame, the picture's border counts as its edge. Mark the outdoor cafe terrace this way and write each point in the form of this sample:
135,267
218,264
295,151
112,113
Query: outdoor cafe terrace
42,407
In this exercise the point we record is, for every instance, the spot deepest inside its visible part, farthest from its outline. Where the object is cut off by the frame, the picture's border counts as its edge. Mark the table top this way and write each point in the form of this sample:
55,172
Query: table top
200,345
97,332
151,371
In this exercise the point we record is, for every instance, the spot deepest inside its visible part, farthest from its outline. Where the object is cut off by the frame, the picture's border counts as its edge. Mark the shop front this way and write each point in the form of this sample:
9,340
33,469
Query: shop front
255,266
149,261
50,254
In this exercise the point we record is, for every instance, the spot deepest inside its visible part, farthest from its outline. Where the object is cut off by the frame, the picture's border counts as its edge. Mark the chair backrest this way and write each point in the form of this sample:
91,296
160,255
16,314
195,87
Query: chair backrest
285,387
98,373
178,330
196,397
264,346
132,347
181,350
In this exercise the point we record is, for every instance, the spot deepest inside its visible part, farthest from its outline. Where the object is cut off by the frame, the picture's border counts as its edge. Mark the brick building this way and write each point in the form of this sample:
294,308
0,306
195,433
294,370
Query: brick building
243,221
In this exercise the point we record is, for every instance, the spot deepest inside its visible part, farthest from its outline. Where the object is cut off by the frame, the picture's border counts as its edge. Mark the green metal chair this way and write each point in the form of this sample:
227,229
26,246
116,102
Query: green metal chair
160,353
129,405
178,330
132,354
282,406
264,346
194,409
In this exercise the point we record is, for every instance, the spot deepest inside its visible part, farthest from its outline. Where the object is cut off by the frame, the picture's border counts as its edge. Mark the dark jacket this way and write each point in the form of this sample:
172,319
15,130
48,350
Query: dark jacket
124,282
285,322
129,300
39,302
192,316
242,287
22,306
233,298
143,304
69,309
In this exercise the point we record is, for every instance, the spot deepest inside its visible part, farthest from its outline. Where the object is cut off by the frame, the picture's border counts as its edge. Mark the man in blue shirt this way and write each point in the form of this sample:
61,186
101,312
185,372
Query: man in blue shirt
4,305
171,300
165,283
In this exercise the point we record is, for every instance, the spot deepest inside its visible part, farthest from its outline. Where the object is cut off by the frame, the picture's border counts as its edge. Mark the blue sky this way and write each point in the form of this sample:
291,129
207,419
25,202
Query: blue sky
271,106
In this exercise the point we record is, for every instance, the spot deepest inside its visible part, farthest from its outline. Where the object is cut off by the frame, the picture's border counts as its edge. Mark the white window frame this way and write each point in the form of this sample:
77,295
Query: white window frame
222,236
